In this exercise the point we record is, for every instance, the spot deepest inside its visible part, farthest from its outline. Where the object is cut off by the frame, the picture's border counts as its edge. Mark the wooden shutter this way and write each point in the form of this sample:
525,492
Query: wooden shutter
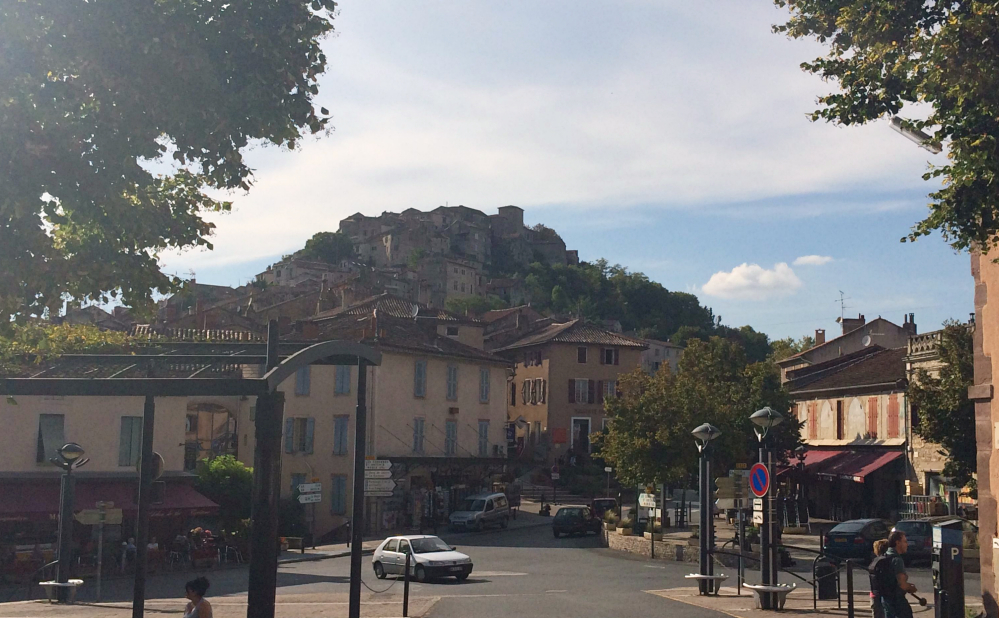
813,420
893,416
600,391
872,416
572,390
590,391
310,432
289,435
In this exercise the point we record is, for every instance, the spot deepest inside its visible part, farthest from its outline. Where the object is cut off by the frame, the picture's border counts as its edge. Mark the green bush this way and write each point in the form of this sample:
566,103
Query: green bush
626,523
610,517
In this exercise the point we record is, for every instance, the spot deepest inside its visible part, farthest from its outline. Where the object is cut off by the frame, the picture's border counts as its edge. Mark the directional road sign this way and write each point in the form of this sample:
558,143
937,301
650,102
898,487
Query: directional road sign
310,498
378,494
378,485
555,476
759,480
758,518
757,504
377,464
377,474
647,501
310,488
92,517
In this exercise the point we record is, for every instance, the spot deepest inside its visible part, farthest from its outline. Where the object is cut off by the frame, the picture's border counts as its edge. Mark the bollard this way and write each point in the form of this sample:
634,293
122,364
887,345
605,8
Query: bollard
405,589
849,589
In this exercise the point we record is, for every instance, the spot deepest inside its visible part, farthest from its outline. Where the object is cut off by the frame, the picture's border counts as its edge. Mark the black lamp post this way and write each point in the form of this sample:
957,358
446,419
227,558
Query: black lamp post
802,500
704,434
765,420
70,457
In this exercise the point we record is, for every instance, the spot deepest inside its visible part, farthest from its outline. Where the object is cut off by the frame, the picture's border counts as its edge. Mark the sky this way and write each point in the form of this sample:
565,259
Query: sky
667,136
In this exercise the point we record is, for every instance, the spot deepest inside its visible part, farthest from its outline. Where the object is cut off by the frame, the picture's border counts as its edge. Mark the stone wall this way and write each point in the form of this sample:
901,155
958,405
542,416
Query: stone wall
676,551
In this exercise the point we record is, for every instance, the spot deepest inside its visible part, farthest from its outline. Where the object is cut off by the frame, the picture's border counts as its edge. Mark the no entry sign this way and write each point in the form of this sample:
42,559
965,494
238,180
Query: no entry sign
759,480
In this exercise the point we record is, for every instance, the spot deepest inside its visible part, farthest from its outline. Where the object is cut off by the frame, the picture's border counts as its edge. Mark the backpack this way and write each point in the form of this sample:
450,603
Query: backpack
883,580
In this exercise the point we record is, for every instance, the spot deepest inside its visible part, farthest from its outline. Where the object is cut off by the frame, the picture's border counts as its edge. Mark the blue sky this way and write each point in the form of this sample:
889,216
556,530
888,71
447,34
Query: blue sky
668,136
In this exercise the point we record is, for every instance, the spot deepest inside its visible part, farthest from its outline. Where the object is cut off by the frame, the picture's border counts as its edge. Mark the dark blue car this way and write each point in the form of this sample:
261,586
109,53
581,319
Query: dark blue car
854,539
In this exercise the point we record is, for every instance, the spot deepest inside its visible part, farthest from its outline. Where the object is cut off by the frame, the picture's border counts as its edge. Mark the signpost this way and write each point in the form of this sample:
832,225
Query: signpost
647,501
377,464
310,498
310,488
759,480
377,474
102,507
608,470
385,485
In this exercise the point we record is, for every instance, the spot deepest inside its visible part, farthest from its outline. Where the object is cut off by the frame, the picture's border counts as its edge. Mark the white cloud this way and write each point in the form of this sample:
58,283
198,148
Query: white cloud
813,260
753,282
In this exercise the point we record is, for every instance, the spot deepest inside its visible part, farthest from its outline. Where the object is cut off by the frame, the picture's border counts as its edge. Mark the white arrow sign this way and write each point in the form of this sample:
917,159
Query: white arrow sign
378,485
377,464
647,501
310,488
377,474
310,498
378,494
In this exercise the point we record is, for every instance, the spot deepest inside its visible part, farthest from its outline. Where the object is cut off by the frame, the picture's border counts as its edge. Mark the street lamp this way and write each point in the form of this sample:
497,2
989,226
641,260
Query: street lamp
70,458
764,420
704,434
916,136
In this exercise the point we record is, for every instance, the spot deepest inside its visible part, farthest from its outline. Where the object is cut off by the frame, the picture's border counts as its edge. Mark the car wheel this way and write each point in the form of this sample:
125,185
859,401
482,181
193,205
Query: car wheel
461,577
556,533
379,570
421,573
480,526
506,522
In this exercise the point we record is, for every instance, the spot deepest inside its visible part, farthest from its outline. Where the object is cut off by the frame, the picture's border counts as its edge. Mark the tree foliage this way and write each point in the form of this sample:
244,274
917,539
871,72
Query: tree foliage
474,305
885,54
328,247
788,346
94,95
228,482
946,415
648,437
28,345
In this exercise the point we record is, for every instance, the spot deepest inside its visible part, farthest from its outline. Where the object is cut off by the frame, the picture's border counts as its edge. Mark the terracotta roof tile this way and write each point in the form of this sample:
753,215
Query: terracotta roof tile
878,367
574,331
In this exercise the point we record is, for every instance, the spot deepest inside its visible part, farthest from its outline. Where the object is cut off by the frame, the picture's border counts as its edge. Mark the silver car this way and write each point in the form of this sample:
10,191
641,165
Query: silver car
482,510
429,558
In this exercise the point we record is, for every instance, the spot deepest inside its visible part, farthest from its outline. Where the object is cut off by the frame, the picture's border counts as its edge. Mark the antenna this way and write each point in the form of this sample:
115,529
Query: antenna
842,305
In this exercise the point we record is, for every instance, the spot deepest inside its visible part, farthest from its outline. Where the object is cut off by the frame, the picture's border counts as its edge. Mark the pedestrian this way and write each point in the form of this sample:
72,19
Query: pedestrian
877,609
891,579
198,606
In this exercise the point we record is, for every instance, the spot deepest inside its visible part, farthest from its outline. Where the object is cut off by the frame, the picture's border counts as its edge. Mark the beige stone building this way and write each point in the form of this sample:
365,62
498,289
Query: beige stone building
660,354
563,372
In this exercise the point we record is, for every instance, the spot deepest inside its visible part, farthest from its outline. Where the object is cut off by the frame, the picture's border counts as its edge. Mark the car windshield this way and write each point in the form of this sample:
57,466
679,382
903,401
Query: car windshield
565,513
921,528
849,526
473,505
429,545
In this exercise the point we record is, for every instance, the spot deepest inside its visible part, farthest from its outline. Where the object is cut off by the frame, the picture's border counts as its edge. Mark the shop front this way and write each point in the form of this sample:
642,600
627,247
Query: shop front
842,484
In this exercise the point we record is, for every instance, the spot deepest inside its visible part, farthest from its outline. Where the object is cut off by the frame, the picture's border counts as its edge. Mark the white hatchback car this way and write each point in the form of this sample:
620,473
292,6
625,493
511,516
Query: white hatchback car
430,557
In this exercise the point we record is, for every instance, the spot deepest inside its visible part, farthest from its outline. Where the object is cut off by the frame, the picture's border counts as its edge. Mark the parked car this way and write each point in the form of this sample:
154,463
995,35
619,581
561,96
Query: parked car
430,558
919,534
854,539
599,506
482,510
571,520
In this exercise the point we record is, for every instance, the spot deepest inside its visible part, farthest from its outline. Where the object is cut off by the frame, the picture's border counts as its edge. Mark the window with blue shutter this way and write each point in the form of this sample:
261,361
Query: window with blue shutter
483,438
338,495
418,424
452,382
342,383
340,435
289,435
420,378
303,379
310,431
130,441
451,438
484,384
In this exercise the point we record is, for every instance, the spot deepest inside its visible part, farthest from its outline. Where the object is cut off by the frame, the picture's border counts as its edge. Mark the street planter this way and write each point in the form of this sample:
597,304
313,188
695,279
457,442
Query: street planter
624,531
204,557
610,527
654,536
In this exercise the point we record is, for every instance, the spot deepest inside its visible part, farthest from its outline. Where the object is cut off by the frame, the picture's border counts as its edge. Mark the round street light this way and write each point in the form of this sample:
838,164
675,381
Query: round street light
765,418
705,433
71,451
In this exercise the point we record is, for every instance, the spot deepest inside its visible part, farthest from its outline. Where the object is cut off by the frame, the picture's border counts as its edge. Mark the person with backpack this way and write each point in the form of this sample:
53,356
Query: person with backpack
877,609
889,579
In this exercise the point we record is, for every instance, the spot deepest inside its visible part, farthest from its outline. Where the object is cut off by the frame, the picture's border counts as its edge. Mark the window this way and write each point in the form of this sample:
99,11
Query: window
338,494
462,287
609,356
813,420
342,380
455,286
450,437
452,382
130,440
581,355
191,424
340,424
483,438
298,434
303,379
657,352
872,417
840,421
513,394
297,478
420,378
525,392
463,271
582,391
537,431
484,384
893,416
418,424
534,391
610,388
50,436
541,388
452,331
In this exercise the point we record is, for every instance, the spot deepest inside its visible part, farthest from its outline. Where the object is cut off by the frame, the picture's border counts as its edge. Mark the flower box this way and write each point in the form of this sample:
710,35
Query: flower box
654,536
610,527
624,531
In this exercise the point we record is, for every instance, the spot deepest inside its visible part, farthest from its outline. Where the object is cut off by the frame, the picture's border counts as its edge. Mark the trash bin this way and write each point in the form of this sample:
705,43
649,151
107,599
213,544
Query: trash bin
826,579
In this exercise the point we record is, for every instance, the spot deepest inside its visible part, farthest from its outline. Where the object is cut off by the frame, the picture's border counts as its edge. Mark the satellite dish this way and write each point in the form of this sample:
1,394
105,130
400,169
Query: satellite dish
866,341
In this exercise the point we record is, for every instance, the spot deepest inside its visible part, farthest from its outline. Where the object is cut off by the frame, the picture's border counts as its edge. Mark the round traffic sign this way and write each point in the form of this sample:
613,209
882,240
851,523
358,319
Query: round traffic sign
759,480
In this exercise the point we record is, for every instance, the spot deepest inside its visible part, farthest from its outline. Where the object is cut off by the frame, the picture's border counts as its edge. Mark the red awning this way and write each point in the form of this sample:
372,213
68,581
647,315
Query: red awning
849,465
39,499
812,459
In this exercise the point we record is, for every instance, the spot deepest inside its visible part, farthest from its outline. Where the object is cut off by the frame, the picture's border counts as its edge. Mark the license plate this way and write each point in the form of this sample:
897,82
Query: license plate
839,540
455,568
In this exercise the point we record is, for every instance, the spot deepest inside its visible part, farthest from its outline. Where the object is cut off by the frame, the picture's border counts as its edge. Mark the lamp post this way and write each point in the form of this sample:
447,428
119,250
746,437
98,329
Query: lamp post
801,500
70,457
704,434
764,420
920,138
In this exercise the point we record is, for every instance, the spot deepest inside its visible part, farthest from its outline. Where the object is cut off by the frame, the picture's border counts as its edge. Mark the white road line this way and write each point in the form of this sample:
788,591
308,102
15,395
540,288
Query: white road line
551,591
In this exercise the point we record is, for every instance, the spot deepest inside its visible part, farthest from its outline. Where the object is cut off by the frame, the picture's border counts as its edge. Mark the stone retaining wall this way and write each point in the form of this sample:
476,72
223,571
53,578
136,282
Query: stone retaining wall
676,551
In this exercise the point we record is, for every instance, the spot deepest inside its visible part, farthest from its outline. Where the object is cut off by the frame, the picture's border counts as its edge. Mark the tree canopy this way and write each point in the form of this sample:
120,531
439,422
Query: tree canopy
885,54
96,96
946,415
648,437
228,482
328,247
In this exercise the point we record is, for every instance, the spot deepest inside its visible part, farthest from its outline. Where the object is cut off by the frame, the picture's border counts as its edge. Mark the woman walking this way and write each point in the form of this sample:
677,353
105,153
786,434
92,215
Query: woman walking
198,607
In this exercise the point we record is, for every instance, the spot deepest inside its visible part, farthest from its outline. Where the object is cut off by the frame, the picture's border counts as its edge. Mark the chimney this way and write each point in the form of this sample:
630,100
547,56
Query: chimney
853,323
820,336
909,325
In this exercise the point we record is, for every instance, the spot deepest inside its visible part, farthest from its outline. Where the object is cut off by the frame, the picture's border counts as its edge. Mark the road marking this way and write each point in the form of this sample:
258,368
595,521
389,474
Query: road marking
551,591
496,573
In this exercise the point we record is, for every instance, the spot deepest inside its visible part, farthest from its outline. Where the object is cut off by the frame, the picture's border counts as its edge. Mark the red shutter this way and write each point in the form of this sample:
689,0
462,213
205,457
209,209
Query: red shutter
872,416
616,356
893,416
600,391
813,420
590,391
572,391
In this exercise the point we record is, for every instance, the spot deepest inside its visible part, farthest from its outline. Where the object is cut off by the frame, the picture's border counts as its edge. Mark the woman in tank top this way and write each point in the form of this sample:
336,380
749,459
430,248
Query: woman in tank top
199,607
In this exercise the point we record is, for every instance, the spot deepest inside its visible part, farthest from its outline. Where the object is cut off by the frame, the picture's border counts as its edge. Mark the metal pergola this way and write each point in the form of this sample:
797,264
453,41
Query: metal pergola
161,368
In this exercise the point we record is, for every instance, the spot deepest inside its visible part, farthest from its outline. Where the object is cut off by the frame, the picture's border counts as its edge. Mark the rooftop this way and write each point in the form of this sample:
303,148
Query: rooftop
874,366
574,331
394,306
